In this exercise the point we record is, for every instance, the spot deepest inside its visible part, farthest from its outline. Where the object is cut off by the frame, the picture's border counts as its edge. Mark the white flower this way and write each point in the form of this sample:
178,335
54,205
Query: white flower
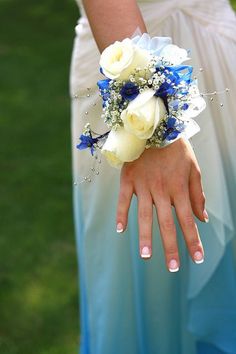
120,59
143,114
174,55
121,147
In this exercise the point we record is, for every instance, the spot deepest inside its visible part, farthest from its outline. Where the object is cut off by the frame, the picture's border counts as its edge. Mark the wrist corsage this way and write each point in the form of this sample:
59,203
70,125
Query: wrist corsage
149,98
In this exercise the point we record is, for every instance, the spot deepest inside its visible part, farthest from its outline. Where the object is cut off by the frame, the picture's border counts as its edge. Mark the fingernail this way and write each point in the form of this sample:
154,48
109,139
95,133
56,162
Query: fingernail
198,257
119,228
146,252
205,215
173,266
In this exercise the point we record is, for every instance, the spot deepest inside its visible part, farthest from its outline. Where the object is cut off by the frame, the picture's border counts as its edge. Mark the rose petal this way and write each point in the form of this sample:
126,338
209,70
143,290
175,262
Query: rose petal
121,147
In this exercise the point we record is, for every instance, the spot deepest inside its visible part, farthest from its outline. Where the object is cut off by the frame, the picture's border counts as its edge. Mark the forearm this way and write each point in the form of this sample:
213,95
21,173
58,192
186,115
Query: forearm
113,20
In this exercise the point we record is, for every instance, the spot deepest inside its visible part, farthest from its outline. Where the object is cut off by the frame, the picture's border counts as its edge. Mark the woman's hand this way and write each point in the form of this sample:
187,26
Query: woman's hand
165,177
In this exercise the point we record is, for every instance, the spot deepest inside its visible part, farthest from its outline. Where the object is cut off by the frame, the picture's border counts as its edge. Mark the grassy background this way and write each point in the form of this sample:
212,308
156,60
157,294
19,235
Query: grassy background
38,269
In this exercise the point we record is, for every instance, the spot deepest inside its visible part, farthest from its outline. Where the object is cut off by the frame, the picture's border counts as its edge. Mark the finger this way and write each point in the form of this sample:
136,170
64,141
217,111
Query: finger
124,200
168,233
197,196
189,228
145,218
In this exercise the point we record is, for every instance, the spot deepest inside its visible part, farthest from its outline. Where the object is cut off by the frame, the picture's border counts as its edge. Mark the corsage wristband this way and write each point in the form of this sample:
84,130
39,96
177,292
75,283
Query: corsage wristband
149,98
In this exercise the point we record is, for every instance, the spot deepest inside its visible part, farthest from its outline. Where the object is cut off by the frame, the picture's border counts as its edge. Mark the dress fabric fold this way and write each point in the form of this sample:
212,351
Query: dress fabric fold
132,306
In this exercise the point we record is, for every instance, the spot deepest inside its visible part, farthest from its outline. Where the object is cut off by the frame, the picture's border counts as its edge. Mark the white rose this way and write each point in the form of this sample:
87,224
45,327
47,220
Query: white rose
173,54
143,114
121,147
120,59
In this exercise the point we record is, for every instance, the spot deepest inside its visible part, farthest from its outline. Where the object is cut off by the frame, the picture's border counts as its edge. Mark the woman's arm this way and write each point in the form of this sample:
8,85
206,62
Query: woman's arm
164,177
112,20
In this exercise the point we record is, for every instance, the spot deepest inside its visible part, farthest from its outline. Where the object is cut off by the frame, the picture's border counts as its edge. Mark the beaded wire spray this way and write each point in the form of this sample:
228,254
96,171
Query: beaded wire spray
94,169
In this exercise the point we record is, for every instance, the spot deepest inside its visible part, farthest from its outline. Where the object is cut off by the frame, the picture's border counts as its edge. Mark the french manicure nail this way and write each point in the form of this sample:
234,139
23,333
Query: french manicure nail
173,266
205,215
119,228
146,252
198,257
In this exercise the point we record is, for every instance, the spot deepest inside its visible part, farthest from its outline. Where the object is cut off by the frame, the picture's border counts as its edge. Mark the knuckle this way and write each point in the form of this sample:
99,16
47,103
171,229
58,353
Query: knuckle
200,202
145,215
171,251
168,225
159,184
122,198
188,221
121,216
127,174
180,186
144,239
194,243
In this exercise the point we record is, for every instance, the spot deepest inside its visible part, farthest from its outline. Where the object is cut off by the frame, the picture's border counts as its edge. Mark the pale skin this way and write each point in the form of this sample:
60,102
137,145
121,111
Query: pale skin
167,177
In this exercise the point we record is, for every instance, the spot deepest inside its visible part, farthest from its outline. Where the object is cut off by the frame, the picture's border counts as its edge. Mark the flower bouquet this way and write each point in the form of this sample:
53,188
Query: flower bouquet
149,98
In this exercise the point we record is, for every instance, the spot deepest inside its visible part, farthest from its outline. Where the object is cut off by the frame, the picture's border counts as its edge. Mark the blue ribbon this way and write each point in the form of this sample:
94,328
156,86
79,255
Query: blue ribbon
178,74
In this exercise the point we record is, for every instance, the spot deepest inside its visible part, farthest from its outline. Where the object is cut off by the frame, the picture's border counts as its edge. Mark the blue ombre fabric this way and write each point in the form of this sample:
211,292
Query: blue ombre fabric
132,306
129,305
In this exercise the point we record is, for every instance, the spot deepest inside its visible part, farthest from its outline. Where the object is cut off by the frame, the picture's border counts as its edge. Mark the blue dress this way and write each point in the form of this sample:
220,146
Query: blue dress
132,306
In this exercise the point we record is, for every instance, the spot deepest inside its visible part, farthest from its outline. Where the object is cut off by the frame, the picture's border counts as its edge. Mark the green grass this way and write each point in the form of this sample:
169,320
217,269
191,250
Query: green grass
38,269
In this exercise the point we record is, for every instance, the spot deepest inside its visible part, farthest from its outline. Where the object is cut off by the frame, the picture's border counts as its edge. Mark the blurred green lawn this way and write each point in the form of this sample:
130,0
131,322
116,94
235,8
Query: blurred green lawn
38,269
233,3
